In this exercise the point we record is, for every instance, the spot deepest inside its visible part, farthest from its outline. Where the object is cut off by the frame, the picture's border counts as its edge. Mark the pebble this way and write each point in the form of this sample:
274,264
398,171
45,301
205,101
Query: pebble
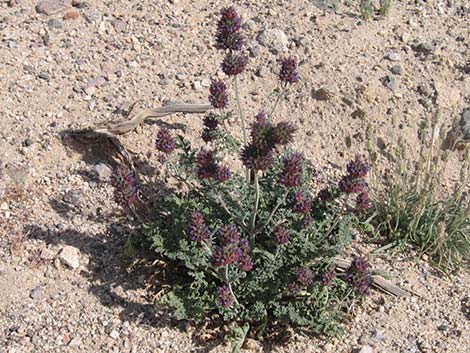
75,342
366,349
92,16
322,94
28,142
114,334
103,171
254,51
36,293
465,124
390,82
55,23
262,71
44,76
51,7
71,15
397,70
133,64
394,56
274,39
424,48
70,256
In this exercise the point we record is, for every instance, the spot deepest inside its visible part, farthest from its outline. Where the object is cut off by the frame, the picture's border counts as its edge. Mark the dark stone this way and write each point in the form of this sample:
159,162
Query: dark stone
28,142
465,124
397,70
390,82
54,23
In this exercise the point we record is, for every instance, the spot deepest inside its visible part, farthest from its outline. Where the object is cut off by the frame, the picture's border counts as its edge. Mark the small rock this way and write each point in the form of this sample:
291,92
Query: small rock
322,94
51,7
197,86
36,293
54,23
70,256
103,171
44,76
28,142
423,48
205,82
390,82
73,197
119,25
114,334
254,51
424,346
71,15
75,342
465,124
133,64
366,349
274,39
358,113
394,57
262,71
92,16
397,70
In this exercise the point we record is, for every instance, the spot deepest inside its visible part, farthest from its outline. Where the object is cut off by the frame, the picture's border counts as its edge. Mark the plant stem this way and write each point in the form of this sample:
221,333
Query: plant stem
281,94
255,208
230,286
240,110
280,202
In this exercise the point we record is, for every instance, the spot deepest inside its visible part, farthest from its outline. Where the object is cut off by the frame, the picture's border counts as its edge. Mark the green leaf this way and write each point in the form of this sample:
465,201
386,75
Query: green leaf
238,336
129,248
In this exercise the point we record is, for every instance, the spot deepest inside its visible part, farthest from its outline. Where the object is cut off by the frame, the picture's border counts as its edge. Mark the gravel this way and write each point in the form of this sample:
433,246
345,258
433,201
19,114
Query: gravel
62,269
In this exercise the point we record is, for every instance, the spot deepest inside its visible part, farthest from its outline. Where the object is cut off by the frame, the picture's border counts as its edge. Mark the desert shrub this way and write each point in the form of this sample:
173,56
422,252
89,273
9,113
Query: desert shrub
245,238
414,210
368,8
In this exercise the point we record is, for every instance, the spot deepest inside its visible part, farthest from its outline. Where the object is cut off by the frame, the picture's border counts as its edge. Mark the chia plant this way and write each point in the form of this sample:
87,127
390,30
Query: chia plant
247,241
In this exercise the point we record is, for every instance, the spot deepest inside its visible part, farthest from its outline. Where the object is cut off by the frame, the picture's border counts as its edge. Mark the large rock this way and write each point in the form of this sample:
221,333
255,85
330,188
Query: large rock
51,7
274,39
70,256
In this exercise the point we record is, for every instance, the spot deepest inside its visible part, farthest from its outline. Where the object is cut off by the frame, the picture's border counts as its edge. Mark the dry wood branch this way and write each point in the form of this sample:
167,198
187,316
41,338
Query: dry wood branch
377,281
134,119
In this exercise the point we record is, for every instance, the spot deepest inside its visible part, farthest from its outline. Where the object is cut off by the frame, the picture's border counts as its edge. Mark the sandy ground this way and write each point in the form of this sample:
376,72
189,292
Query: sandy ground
59,74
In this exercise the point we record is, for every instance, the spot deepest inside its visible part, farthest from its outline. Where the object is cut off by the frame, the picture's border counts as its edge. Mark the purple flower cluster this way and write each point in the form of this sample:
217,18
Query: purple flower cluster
354,182
224,296
291,173
265,137
218,94
210,127
281,235
232,250
304,278
234,64
328,277
125,188
165,141
358,275
197,228
229,36
208,167
288,73
301,203
363,201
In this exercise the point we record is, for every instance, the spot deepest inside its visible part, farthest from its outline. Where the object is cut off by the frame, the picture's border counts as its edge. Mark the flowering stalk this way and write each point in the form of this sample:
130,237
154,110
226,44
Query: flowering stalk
280,202
279,97
240,110
255,208
230,286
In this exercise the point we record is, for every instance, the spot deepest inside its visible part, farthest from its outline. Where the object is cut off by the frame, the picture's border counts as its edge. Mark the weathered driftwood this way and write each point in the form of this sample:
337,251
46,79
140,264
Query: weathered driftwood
377,281
134,119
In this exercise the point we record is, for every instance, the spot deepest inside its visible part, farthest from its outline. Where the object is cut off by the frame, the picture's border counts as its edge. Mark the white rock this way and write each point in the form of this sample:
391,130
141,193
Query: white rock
274,39
70,256
394,56
366,349
114,334
75,342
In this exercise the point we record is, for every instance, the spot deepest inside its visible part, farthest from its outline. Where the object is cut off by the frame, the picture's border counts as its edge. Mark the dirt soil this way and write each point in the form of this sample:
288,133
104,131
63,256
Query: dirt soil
65,285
